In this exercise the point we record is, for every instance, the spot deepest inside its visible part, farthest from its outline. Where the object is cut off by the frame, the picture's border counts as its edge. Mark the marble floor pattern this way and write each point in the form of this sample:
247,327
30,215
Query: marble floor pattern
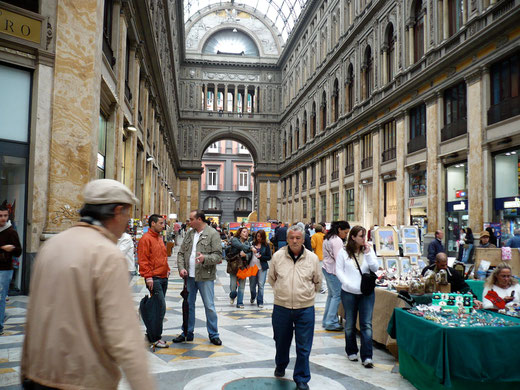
247,350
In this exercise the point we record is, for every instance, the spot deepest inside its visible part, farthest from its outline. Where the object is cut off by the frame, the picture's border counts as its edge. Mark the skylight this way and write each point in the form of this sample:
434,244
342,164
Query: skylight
283,14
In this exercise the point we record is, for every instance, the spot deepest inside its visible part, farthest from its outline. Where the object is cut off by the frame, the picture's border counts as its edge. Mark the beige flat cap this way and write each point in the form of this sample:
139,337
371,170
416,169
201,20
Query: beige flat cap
106,191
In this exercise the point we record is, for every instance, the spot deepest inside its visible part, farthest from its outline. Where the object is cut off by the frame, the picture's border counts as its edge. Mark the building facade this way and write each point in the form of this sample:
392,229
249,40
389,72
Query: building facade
226,183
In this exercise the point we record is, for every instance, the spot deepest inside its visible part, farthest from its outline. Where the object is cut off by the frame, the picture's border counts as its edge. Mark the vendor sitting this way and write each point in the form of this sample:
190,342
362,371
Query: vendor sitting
484,240
501,289
455,279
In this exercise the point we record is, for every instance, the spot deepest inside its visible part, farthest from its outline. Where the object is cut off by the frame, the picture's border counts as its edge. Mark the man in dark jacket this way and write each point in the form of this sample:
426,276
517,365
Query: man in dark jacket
436,246
280,236
9,247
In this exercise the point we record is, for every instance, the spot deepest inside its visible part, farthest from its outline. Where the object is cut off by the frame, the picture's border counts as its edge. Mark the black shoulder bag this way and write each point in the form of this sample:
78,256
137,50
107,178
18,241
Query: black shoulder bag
368,280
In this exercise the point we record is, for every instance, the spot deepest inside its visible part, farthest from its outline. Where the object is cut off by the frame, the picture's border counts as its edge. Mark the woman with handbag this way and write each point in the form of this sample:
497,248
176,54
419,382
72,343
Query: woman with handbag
263,255
355,267
238,256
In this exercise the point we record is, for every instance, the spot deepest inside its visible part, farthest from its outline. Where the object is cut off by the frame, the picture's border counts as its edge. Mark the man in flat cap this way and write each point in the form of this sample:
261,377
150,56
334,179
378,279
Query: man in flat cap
81,323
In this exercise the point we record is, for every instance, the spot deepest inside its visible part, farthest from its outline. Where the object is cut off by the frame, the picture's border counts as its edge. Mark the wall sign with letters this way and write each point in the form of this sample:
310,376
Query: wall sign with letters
20,26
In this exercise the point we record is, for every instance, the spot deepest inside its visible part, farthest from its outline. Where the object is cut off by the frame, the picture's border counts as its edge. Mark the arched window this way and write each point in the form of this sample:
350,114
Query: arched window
313,120
418,30
349,89
243,204
304,129
390,52
323,111
212,203
368,72
297,135
335,101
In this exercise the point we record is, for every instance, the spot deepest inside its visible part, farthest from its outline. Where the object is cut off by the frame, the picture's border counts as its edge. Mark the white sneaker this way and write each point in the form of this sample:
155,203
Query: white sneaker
353,357
368,363
260,306
232,301
160,344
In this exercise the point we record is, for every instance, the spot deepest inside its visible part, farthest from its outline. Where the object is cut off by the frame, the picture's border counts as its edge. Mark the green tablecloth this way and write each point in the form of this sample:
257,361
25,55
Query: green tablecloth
456,356
477,286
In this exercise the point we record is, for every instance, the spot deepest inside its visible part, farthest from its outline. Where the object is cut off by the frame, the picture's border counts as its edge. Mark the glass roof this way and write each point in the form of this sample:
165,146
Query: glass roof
283,14
230,42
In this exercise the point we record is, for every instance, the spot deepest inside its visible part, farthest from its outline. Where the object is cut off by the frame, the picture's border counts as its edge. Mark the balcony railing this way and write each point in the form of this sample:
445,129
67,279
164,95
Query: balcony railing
454,129
238,187
313,183
323,180
349,169
214,187
417,143
504,110
366,163
334,175
388,154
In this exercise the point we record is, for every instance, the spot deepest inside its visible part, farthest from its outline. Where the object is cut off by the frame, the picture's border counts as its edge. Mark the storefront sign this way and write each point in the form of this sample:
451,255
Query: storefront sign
459,207
20,26
512,204
417,202
460,194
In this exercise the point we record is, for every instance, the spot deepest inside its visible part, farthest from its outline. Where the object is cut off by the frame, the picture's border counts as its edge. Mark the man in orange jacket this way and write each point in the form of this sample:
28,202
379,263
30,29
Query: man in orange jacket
154,268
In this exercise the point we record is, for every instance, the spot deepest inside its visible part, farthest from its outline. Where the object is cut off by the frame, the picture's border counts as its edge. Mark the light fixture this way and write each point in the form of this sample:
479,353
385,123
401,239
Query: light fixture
235,30
149,158
508,154
513,152
131,128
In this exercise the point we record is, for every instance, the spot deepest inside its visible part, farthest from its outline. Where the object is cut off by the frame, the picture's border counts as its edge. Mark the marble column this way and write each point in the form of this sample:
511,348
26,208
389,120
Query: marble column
411,43
377,198
205,103
235,99
445,23
384,52
225,98
75,116
215,97
401,147
475,158
432,149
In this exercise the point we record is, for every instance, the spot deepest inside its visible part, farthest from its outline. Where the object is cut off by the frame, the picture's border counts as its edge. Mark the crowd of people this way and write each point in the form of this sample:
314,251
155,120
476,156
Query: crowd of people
80,299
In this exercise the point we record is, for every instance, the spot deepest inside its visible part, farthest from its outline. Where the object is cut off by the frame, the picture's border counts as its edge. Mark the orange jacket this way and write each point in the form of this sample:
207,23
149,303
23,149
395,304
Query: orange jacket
151,253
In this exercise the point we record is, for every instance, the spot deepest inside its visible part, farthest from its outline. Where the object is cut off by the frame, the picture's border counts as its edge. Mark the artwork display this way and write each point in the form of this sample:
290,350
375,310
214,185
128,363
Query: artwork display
392,265
405,267
411,248
409,233
386,241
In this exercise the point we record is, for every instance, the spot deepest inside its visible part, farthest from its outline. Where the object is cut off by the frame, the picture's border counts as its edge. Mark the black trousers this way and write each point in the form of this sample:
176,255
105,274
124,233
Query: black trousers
31,385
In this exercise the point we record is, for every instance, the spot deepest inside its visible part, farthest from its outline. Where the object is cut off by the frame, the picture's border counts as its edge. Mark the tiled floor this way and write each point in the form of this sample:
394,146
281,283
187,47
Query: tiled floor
247,350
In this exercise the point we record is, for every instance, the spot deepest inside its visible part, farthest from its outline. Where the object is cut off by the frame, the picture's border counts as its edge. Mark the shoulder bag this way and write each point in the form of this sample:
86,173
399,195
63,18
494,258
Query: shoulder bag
368,280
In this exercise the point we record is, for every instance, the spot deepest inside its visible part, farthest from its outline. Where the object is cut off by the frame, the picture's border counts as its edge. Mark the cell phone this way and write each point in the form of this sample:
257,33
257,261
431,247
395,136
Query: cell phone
512,294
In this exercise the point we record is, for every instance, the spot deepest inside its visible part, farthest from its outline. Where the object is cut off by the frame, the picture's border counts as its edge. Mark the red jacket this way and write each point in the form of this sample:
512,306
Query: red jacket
151,253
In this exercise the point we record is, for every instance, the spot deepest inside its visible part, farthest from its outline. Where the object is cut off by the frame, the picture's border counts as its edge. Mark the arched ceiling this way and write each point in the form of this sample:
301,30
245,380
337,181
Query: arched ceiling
282,14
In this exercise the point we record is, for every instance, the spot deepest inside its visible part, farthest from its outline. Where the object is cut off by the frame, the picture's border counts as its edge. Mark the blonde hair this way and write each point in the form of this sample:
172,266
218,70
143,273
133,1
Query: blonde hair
492,279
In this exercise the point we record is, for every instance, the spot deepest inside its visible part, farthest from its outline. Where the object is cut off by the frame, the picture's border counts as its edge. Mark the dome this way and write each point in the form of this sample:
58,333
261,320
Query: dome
231,42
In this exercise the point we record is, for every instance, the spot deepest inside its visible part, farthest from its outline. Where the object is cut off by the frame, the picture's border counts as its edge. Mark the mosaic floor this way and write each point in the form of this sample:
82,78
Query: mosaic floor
247,350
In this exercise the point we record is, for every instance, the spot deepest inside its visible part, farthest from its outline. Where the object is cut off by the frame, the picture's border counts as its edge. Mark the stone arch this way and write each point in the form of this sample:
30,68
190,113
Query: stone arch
241,136
227,26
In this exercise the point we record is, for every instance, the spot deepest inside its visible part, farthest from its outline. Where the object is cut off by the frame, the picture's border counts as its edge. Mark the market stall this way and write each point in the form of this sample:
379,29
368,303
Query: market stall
438,356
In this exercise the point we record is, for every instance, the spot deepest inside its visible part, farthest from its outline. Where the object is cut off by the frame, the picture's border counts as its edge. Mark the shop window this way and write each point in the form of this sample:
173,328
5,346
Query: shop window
350,205
102,146
335,206
505,85
417,140
14,103
455,118
507,190
417,184
323,208
456,205
456,182
389,151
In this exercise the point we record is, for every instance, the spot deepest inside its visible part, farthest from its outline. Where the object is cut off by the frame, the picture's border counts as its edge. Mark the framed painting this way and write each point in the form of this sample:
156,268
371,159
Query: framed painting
405,265
391,264
409,233
411,248
386,241
421,263
414,259
381,263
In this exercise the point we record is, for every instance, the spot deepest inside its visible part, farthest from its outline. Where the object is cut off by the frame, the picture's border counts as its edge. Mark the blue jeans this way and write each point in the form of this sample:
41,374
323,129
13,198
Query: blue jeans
233,289
207,293
354,303
302,322
258,280
330,315
281,244
5,280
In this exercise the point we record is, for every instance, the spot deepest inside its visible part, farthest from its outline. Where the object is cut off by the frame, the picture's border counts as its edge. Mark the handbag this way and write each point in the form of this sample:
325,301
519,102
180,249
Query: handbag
244,273
368,280
234,262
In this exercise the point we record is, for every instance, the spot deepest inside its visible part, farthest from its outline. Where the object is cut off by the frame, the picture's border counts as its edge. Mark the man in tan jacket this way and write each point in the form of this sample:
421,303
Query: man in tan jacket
81,322
295,275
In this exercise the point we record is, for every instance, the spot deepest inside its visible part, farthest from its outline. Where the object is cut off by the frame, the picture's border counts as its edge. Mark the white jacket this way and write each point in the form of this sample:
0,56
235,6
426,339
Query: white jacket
348,273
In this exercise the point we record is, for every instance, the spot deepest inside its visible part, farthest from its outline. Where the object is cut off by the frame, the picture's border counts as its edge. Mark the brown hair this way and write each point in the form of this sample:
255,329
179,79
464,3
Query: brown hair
239,231
351,244
263,239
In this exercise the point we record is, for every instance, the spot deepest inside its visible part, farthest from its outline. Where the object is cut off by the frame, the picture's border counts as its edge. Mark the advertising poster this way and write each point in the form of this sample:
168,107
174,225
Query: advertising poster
265,226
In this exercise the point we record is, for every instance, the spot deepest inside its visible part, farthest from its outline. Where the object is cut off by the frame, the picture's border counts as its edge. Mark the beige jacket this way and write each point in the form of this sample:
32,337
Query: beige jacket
294,284
81,321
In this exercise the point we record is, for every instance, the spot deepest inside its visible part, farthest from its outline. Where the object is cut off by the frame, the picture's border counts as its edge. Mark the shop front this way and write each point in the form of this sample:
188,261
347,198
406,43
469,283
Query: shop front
418,201
15,103
506,203
456,205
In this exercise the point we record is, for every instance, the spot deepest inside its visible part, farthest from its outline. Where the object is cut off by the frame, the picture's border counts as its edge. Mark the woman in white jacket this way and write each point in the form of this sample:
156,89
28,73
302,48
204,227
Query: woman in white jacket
353,301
